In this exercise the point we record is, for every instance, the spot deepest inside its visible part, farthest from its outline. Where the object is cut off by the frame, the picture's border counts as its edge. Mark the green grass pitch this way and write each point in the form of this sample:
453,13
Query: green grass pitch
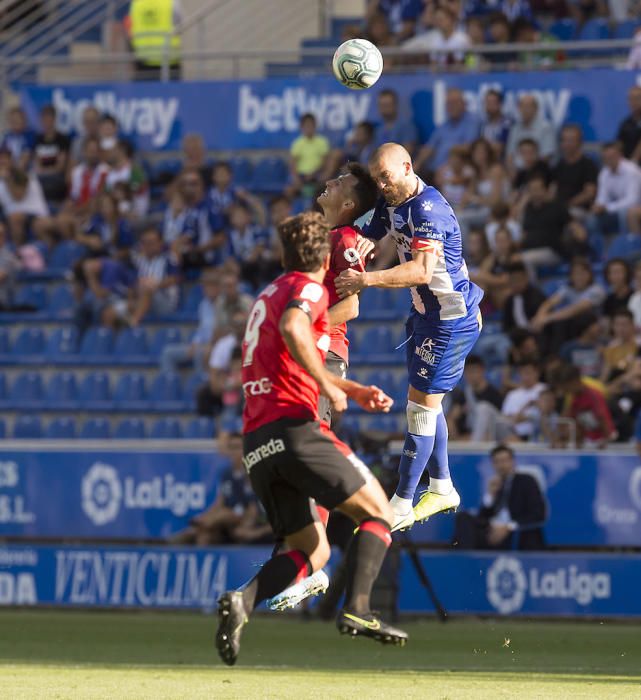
69,654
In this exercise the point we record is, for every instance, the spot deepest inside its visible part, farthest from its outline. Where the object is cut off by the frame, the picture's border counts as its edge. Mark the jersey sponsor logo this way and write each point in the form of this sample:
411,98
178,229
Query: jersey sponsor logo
257,387
312,291
323,343
425,351
352,256
269,449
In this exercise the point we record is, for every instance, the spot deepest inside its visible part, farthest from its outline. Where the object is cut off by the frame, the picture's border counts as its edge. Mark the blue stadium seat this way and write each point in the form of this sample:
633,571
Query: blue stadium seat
130,393
388,382
96,429
493,348
242,169
27,428
26,392
192,299
594,30
626,29
166,393
201,428
625,245
130,429
61,429
94,393
270,175
379,304
4,341
61,302
384,422
131,347
376,346
65,254
29,346
563,29
3,429
166,429
97,346
33,295
62,345
62,392
164,336
192,385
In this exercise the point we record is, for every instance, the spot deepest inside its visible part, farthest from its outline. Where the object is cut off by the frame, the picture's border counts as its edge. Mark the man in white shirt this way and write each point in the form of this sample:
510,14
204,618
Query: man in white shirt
446,43
618,192
24,207
519,404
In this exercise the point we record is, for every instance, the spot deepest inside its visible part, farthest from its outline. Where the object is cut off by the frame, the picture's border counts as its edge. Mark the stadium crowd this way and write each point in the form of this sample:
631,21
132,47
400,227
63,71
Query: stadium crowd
551,232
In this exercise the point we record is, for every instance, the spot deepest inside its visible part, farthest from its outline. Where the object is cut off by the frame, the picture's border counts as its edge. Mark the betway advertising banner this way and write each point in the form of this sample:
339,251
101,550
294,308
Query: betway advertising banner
265,113
132,495
170,578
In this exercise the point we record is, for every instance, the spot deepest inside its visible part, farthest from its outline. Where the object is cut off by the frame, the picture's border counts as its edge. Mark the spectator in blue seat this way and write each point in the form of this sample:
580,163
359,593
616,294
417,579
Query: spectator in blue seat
401,15
107,232
25,209
156,290
90,130
50,157
618,199
110,284
531,124
445,42
512,513
524,301
619,278
392,127
574,177
561,316
234,517
222,193
196,352
19,140
461,127
359,146
251,246
495,126
585,351
500,32
231,299
191,230
194,155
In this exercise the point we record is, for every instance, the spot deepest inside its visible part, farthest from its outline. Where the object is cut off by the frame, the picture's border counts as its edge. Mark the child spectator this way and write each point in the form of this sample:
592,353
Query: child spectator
500,217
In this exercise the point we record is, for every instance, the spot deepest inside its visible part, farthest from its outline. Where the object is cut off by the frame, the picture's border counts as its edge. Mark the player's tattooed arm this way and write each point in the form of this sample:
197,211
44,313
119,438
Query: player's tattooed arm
297,333
417,271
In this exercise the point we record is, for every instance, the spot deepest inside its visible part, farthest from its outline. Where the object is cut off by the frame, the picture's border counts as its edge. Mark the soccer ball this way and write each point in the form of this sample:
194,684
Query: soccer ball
357,64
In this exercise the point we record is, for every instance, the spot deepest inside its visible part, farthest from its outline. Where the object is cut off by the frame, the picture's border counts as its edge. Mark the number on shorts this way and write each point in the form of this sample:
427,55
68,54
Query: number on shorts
258,314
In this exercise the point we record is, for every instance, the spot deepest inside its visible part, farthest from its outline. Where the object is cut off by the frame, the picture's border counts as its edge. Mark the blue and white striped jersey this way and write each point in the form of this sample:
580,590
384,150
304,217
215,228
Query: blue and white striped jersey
427,222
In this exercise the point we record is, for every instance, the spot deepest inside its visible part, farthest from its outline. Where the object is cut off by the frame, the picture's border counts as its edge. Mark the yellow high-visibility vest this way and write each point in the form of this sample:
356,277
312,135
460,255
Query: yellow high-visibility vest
151,22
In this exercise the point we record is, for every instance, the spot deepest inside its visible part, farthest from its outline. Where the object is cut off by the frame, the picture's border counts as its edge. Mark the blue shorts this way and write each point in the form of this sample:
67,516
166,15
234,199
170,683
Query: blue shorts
436,350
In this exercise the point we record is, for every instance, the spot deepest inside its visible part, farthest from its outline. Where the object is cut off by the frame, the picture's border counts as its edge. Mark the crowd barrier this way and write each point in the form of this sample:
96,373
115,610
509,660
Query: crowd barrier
553,584
259,114
594,498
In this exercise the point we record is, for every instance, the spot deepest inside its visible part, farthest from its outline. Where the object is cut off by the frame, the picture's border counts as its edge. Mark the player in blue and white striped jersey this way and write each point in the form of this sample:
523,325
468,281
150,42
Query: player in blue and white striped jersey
443,325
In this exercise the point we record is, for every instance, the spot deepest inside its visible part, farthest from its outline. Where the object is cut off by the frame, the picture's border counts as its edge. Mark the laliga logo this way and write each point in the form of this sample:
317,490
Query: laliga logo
506,585
101,494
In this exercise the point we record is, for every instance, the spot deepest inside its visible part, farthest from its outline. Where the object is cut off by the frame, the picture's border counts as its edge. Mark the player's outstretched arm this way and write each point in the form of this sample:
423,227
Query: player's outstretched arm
297,333
371,398
343,311
416,272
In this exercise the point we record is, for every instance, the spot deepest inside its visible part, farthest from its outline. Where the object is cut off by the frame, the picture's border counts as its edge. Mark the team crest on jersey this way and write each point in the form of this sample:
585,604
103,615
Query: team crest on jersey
425,352
352,256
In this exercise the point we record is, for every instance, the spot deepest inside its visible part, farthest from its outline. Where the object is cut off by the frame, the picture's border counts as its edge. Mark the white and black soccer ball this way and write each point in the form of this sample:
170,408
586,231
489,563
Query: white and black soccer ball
357,63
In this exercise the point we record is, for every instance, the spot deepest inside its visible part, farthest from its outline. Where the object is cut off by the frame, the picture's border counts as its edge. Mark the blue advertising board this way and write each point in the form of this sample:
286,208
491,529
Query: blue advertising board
251,114
104,494
167,578
594,498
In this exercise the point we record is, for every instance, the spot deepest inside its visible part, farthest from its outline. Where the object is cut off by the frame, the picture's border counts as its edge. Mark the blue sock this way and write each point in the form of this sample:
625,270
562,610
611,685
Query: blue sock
440,464
416,451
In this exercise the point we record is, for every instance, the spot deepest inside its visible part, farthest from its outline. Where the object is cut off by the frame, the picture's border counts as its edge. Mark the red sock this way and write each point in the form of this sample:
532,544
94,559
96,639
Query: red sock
323,514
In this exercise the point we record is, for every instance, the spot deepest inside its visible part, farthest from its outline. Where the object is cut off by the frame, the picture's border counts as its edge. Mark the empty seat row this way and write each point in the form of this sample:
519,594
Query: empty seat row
98,345
68,428
593,30
95,392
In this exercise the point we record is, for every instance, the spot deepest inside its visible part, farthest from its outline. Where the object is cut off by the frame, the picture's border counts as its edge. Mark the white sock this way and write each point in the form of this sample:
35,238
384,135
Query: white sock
440,486
400,506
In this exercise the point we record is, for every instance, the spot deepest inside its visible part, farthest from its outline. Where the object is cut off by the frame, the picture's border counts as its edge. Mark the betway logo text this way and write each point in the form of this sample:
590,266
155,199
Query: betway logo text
278,112
85,577
150,117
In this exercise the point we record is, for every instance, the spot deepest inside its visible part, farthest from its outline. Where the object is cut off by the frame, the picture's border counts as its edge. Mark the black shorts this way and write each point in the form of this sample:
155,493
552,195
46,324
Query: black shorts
292,461
336,365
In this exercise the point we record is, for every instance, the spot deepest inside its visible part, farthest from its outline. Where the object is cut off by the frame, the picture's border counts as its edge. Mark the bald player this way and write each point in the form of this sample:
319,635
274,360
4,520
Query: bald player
443,326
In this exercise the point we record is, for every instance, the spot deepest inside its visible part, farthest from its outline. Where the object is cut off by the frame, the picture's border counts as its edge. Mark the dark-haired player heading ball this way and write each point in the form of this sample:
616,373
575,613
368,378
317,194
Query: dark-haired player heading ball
293,460
345,199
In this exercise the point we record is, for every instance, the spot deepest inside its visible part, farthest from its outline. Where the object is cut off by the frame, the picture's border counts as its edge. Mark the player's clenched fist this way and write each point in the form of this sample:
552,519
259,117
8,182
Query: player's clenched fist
372,399
349,282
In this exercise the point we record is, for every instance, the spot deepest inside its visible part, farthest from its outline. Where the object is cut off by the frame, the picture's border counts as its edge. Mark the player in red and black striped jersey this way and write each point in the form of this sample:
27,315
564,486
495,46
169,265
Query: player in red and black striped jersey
294,462
345,199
